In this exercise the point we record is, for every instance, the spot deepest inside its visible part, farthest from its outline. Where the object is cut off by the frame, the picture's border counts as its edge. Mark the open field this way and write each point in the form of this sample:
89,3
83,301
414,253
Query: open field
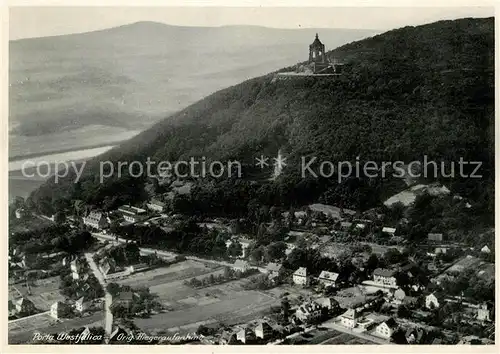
179,271
344,338
31,324
188,307
44,292
221,310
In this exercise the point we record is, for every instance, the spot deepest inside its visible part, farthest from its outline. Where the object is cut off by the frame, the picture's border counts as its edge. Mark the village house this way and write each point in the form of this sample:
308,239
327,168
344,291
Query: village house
414,335
328,279
20,213
156,205
485,249
76,269
384,277
308,312
241,265
329,303
483,313
273,269
96,220
59,310
439,250
245,335
300,276
431,301
349,318
386,328
360,226
435,237
25,307
389,230
263,330
228,338
81,305
107,266
399,296
131,214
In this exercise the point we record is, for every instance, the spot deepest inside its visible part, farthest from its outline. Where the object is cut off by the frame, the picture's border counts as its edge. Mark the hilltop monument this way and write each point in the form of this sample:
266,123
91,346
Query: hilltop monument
318,65
317,56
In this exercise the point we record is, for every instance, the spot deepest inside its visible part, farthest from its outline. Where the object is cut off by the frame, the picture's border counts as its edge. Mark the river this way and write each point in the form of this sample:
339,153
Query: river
21,185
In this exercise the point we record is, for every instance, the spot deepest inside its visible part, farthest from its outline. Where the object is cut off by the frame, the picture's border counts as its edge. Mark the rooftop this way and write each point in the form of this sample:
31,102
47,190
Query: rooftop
384,272
328,275
301,272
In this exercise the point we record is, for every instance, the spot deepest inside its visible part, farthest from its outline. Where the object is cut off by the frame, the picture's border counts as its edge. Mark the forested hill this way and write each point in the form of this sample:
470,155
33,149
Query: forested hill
410,92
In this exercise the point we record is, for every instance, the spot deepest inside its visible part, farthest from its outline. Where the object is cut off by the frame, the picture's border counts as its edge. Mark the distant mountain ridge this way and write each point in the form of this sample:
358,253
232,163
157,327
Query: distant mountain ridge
410,92
144,70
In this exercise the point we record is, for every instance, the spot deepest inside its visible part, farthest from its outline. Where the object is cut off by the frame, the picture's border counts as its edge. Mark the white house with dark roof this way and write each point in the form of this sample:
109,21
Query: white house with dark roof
483,313
263,330
308,311
384,277
25,306
389,230
156,205
96,220
349,318
300,276
81,305
432,301
485,249
131,214
76,269
386,328
328,278
59,310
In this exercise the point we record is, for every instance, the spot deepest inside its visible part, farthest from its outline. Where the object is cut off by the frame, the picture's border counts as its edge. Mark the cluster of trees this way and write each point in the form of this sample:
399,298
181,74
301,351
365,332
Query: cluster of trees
470,285
260,282
123,254
187,237
52,238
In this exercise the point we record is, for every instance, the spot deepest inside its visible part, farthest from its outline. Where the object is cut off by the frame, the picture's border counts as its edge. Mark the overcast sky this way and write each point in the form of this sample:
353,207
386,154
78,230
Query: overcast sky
25,22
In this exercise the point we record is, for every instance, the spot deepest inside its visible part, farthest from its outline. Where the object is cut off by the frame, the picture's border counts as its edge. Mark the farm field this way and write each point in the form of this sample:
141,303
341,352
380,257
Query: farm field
188,307
44,292
344,338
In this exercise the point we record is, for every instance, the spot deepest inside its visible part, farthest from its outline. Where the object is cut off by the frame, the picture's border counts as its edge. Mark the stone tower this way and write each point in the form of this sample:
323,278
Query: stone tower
317,52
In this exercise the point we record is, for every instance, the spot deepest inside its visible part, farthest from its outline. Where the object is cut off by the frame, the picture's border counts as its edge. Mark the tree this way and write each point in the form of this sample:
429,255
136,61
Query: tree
372,263
228,273
119,311
235,249
403,311
285,308
60,217
257,254
393,256
275,251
